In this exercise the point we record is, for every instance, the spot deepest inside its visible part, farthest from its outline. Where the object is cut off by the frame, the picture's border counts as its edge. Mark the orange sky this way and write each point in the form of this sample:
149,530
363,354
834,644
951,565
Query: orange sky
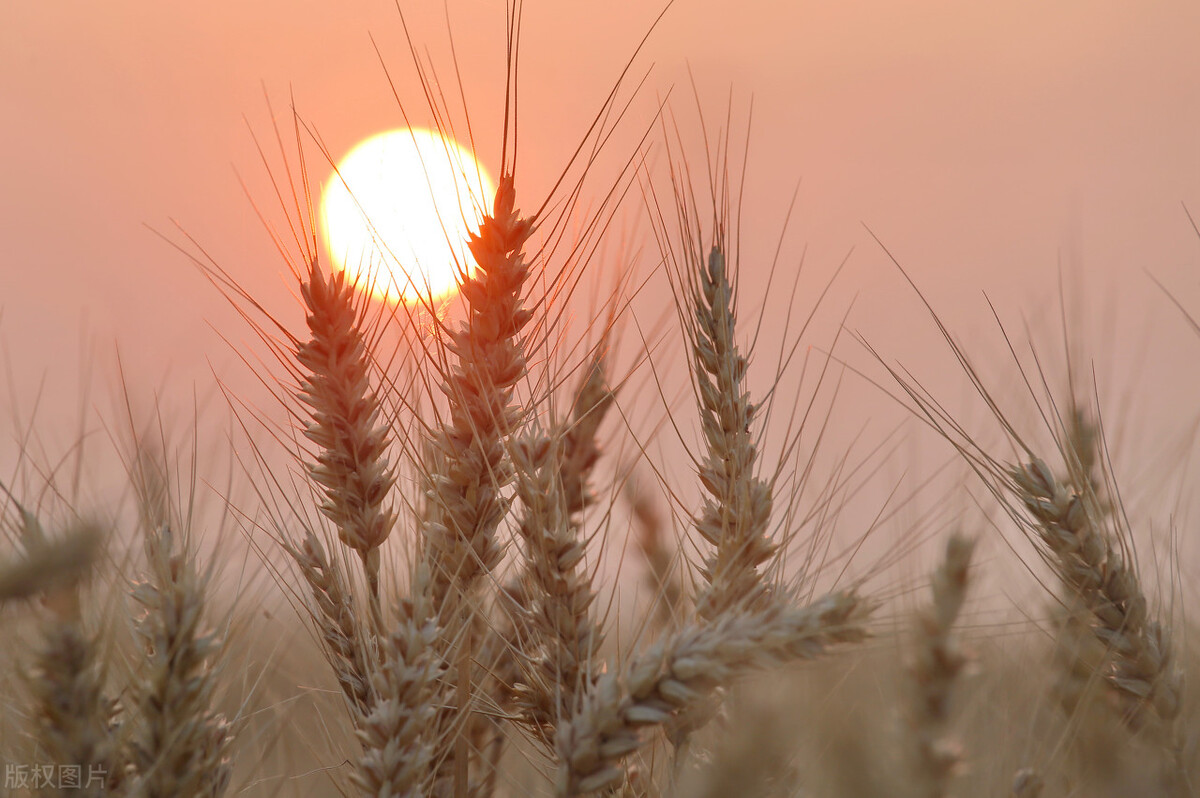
986,144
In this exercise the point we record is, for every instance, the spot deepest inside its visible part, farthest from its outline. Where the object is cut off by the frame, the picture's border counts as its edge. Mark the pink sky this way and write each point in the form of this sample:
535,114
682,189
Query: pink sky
986,144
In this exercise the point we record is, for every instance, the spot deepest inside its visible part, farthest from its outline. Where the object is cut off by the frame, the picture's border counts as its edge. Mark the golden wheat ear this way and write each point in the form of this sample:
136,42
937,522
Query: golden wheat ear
398,749
351,467
467,472
1138,663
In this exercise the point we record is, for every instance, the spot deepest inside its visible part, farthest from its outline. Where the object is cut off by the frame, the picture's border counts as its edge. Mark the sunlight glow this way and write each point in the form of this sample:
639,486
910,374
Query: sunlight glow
397,211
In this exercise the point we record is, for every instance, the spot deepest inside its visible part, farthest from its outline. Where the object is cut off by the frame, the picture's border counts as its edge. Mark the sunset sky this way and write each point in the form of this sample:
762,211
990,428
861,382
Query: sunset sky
991,147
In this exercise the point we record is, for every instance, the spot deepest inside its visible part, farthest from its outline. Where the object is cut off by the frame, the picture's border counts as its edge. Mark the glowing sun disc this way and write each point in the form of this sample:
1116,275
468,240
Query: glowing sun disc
397,212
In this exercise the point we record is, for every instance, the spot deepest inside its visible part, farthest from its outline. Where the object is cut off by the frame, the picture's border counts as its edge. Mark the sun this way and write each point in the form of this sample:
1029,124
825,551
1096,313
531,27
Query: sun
397,211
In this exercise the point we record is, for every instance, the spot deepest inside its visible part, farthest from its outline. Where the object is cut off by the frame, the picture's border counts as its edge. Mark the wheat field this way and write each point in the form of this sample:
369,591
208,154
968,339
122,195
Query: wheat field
504,545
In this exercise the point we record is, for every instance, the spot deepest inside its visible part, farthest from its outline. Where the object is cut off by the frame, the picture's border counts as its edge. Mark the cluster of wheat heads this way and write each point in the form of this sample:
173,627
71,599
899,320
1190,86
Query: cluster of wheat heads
443,549
1118,681
488,628
120,688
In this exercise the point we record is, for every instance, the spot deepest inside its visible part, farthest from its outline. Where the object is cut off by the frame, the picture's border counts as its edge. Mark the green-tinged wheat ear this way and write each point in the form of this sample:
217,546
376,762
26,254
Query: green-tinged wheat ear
180,744
352,440
680,670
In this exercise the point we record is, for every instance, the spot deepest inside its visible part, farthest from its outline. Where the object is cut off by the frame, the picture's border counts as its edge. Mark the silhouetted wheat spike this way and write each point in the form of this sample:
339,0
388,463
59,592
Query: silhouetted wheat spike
465,500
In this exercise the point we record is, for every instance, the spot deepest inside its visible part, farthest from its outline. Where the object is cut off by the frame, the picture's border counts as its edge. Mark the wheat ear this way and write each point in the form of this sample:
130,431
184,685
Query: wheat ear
75,722
180,746
680,670
466,467
351,465
553,474
662,570
937,665
736,513
469,468
1141,661
48,564
397,744
333,611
